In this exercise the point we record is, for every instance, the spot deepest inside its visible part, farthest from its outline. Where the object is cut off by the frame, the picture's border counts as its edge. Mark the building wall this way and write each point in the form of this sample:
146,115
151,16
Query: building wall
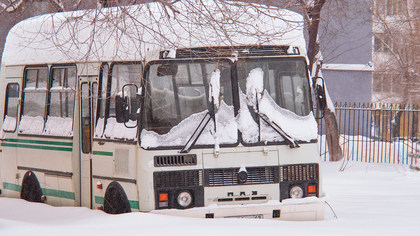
349,86
346,40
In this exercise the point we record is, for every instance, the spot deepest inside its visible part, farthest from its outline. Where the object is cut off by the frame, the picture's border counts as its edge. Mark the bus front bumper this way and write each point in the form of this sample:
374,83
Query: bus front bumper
306,209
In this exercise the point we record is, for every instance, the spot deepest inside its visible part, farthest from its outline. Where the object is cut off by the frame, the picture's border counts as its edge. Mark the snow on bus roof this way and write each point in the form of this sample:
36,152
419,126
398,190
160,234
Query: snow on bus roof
129,33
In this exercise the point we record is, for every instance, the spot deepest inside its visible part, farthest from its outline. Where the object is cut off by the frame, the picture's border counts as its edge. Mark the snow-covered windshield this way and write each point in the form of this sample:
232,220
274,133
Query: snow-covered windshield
285,79
178,97
274,101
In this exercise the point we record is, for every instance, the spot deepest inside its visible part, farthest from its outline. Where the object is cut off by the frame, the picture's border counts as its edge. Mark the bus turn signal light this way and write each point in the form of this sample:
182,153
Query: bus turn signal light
311,188
163,197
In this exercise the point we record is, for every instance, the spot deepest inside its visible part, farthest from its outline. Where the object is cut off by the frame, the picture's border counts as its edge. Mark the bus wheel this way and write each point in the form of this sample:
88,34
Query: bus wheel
31,190
115,200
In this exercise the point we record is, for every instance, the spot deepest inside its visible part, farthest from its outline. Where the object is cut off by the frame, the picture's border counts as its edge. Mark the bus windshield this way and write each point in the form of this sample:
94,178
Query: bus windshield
177,99
275,103
285,80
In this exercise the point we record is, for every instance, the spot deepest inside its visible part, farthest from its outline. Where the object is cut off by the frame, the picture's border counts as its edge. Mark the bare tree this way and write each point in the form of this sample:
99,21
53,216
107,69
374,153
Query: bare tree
224,23
396,41
397,63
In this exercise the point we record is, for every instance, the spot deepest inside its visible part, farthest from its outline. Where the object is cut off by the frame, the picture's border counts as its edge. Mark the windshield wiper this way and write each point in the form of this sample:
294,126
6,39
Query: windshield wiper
292,142
194,137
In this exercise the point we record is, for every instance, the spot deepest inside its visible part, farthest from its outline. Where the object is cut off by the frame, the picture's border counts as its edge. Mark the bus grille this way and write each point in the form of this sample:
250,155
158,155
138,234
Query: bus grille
185,178
229,176
299,172
176,160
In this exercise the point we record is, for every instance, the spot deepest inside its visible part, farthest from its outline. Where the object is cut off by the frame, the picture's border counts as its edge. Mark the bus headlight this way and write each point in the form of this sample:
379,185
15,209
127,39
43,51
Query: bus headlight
184,199
296,192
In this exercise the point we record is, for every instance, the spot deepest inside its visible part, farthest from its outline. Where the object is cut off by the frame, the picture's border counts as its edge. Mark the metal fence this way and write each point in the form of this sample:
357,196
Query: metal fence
380,133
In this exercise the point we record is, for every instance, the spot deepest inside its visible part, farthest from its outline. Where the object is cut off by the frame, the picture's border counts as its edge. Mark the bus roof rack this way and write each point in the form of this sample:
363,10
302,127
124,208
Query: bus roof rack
232,51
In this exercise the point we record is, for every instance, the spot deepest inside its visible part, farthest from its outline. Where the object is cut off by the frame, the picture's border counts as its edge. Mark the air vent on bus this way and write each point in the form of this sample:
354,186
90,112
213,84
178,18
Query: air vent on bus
299,172
235,51
229,176
184,178
176,160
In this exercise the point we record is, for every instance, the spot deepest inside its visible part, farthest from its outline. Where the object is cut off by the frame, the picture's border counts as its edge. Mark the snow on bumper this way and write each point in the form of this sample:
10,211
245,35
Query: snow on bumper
306,209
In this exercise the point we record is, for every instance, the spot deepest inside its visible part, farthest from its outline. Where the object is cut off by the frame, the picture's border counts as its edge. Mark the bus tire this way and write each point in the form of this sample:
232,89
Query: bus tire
31,190
115,200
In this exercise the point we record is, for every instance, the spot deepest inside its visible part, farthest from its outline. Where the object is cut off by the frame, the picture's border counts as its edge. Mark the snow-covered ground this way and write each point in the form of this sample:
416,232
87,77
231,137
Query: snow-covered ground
368,199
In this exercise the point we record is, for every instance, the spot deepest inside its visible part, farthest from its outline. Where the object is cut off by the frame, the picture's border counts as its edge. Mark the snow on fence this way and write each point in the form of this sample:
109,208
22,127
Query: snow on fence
380,133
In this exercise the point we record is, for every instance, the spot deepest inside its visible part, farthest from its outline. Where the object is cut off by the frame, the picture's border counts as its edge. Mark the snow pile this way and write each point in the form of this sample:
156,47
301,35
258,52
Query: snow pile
59,126
226,130
9,123
214,88
254,86
115,130
129,33
246,124
368,199
302,128
99,128
31,125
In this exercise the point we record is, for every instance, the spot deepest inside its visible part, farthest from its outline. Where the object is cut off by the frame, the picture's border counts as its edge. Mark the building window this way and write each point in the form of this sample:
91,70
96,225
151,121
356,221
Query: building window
386,82
390,7
383,43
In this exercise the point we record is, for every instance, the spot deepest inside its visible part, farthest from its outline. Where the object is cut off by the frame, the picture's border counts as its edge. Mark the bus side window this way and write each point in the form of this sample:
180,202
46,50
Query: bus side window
11,107
34,100
122,74
61,106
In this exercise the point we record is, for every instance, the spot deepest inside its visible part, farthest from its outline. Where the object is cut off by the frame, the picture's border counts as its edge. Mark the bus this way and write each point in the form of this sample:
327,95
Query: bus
145,108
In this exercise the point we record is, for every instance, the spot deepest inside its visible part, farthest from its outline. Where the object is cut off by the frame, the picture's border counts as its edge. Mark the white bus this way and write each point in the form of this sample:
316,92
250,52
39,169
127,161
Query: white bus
164,115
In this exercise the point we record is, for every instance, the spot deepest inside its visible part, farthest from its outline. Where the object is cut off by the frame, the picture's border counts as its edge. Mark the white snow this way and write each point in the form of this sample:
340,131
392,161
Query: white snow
56,126
59,126
9,123
254,86
348,67
246,124
302,128
214,88
368,199
31,125
226,130
130,33
114,130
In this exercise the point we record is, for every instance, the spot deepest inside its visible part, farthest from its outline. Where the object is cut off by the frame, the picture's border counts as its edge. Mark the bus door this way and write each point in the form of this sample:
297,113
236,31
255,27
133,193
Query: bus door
88,95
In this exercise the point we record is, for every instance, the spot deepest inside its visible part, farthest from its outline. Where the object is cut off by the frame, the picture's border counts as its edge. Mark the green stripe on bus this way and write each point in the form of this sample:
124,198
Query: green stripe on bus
103,153
58,193
133,204
66,149
10,186
45,191
99,200
69,144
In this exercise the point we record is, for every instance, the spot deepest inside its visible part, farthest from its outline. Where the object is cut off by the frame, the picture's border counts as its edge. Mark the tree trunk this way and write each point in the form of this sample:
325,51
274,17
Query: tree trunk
332,136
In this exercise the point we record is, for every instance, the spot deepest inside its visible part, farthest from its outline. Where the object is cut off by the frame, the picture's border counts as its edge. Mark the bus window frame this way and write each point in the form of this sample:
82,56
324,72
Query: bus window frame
108,99
271,143
146,86
22,95
6,105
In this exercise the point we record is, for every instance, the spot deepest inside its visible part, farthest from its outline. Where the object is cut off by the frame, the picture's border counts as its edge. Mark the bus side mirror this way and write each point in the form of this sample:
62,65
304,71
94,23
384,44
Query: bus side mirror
320,93
121,106
127,106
